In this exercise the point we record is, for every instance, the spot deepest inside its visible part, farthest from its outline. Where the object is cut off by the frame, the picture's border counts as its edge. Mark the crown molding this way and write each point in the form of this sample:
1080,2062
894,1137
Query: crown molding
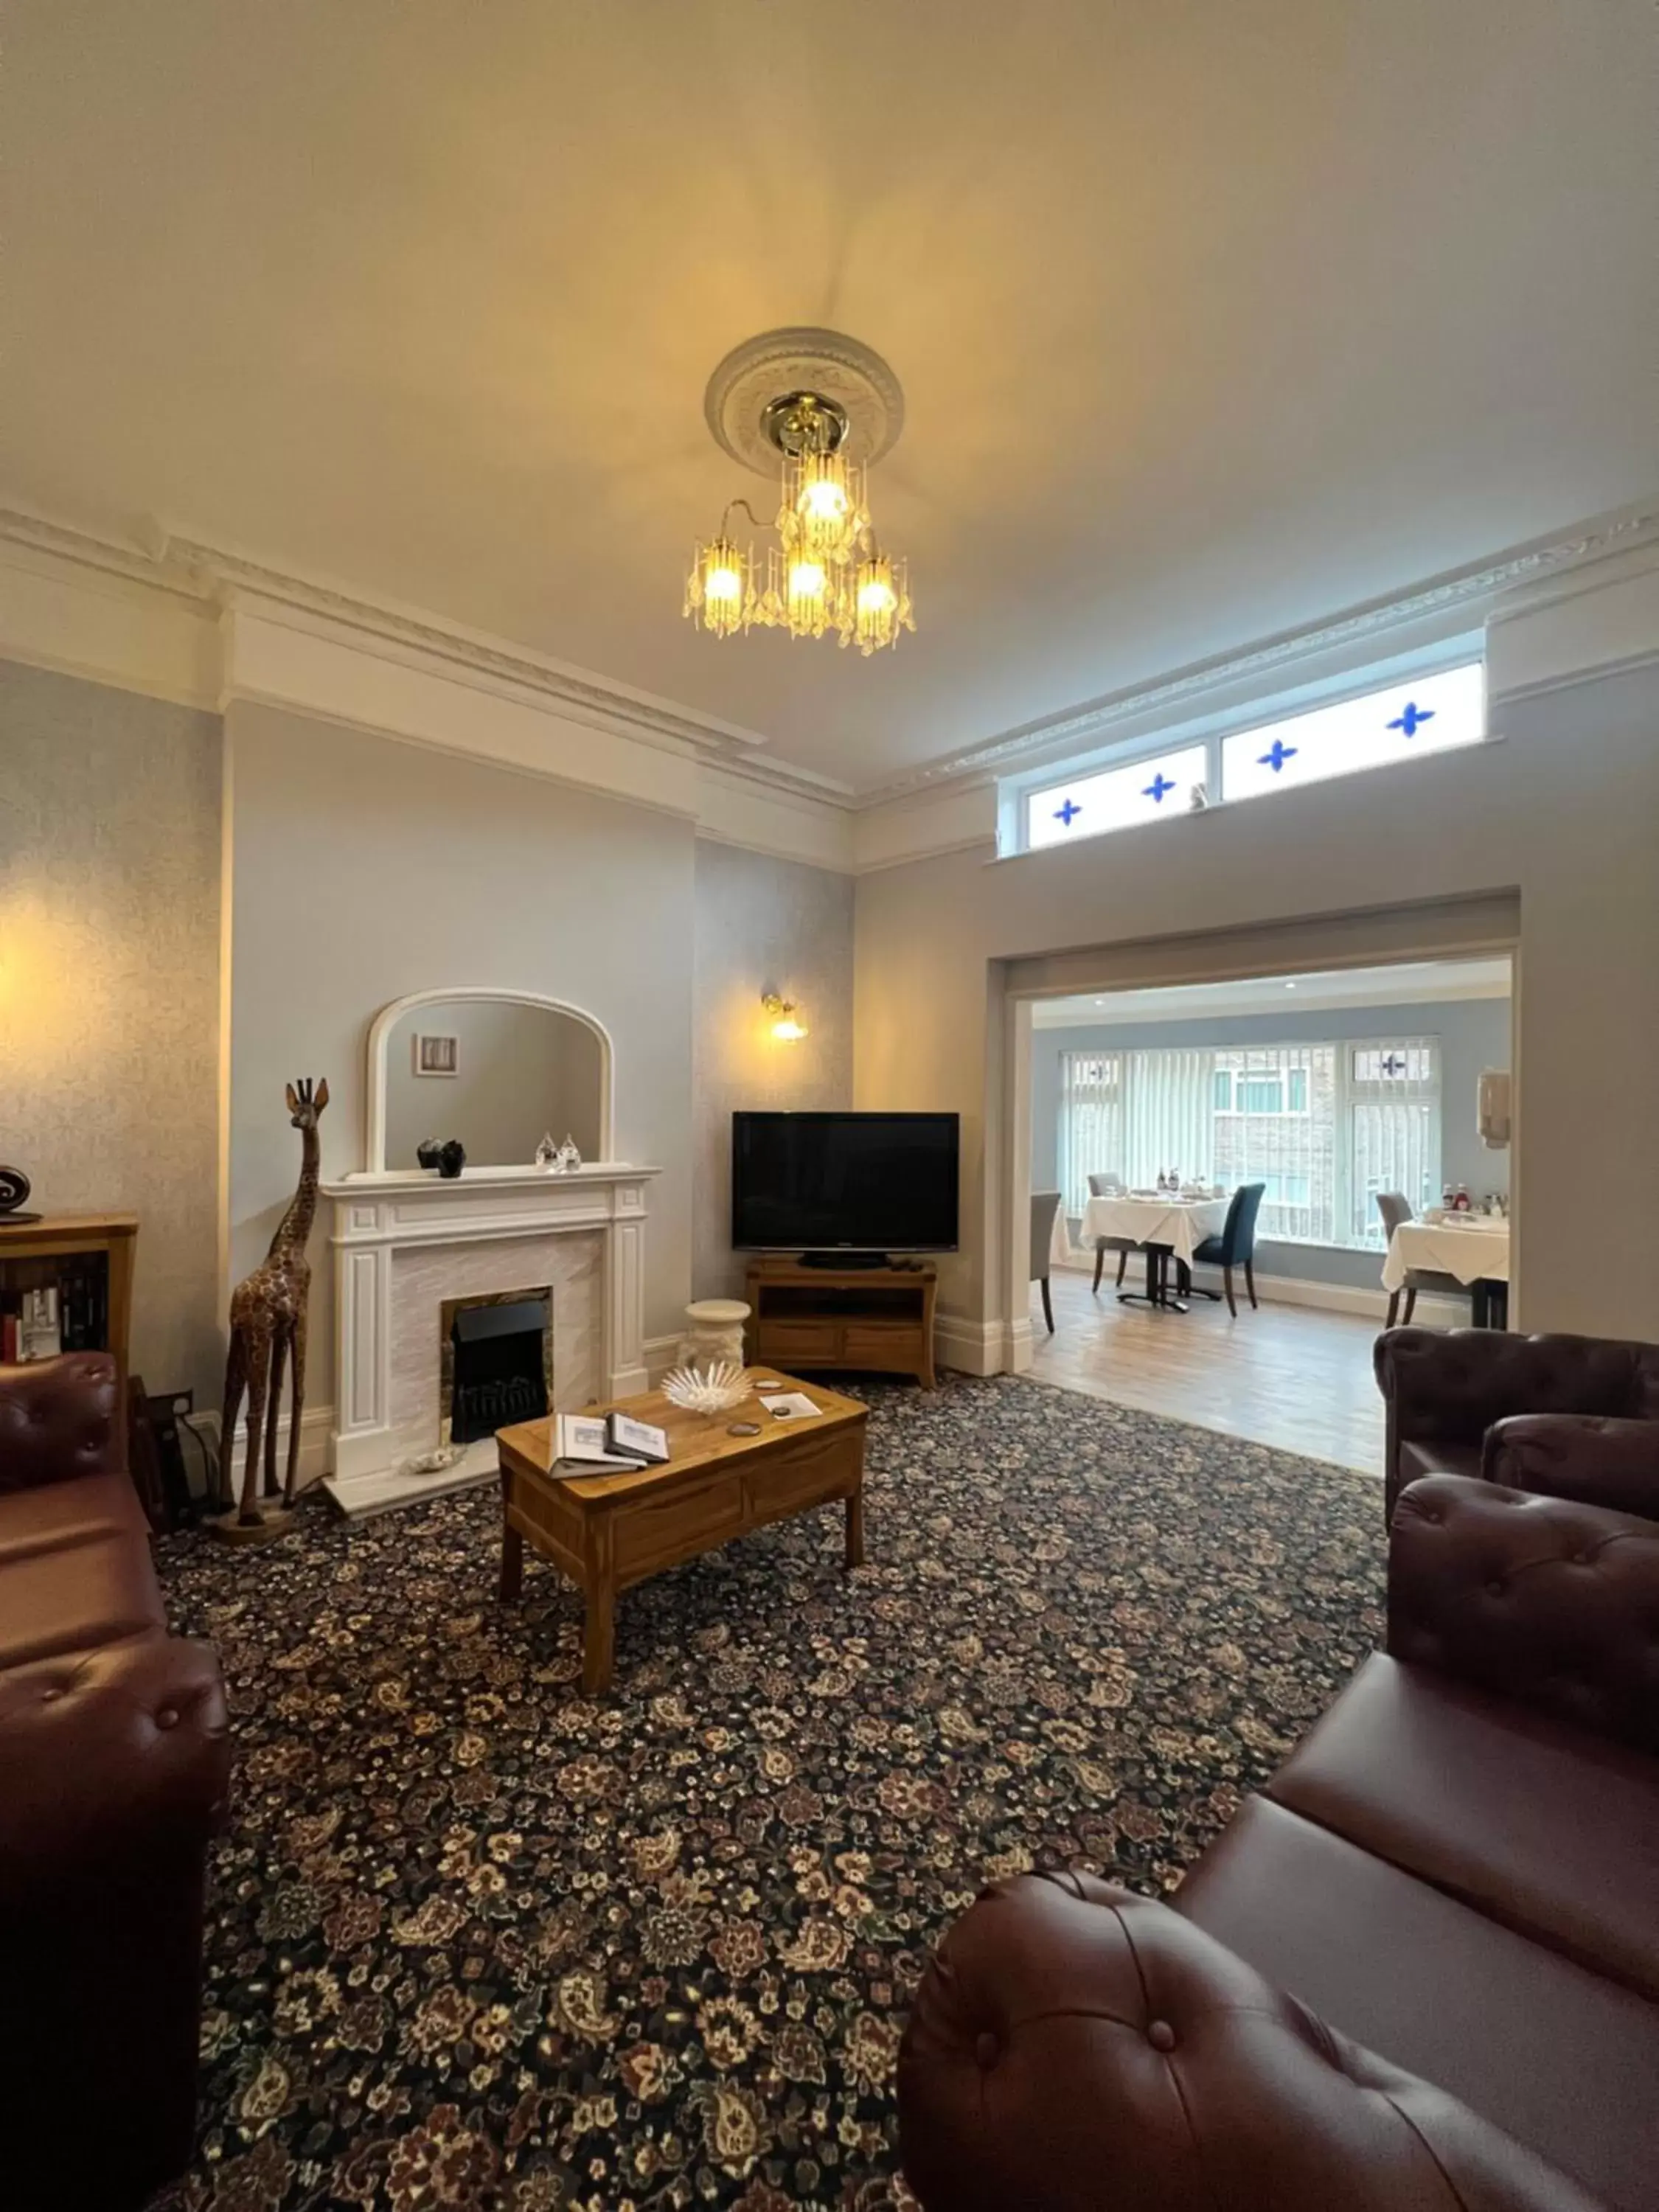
201,585
101,557
1535,570
213,582
232,580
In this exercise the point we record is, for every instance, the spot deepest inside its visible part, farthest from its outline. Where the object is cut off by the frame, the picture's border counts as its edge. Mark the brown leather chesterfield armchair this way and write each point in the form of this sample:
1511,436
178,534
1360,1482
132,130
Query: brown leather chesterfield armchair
114,1766
1456,1874
1446,1390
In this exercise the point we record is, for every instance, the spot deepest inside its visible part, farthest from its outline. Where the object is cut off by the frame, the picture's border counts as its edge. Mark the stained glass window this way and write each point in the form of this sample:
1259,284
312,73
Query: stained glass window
1116,799
1426,715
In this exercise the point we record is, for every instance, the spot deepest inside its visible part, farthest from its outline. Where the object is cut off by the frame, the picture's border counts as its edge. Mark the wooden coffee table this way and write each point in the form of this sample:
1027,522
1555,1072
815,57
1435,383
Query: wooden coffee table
606,1531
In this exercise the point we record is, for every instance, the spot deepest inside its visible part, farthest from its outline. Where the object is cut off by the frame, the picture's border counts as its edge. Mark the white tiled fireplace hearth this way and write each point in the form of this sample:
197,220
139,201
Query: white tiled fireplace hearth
405,1241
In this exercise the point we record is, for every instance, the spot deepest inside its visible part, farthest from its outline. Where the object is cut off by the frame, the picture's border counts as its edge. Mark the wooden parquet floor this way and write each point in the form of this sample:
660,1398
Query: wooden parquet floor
1288,1376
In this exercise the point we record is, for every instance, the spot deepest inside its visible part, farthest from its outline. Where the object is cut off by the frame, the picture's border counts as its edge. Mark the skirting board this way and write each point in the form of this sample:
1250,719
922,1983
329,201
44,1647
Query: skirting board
972,1348
1432,1311
316,1427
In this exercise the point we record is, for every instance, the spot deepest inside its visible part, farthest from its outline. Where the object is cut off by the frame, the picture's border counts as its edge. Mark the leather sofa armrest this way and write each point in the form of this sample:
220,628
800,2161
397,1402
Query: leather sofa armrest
1552,1603
1073,2046
113,1766
59,1419
1591,1457
121,1751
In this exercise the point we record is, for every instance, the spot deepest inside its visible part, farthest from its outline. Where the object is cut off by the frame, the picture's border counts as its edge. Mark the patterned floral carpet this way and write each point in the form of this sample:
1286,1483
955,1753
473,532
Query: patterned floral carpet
477,1944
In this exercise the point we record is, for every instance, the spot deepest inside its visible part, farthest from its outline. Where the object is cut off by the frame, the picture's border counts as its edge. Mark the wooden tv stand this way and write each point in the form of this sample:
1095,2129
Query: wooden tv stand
877,1318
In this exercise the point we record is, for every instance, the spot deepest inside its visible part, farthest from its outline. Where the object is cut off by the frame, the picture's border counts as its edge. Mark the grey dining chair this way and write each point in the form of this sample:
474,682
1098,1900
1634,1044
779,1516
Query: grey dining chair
1103,1185
1045,1205
1395,1207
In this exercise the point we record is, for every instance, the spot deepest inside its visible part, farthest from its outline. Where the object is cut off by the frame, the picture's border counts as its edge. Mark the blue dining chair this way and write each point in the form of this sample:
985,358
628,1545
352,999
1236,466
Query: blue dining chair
1234,1248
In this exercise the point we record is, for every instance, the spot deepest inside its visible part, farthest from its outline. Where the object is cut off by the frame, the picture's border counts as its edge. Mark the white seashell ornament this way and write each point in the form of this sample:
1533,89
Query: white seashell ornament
707,1390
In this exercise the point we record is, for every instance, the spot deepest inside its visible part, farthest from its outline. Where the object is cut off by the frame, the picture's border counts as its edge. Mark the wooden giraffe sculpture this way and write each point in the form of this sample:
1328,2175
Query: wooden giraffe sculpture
268,1328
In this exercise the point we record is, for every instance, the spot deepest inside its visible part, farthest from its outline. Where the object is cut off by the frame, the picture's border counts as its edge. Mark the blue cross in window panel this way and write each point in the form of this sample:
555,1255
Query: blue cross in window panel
1068,813
1393,1064
1277,754
1412,717
1157,788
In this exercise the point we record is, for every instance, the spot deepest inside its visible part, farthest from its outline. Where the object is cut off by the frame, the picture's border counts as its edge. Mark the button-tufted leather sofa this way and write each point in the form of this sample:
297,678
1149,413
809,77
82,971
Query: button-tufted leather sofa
1445,1389
1419,1973
113,1767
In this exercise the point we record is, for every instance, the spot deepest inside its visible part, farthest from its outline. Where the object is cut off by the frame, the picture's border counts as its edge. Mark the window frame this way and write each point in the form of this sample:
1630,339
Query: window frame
1346,1091
1020,794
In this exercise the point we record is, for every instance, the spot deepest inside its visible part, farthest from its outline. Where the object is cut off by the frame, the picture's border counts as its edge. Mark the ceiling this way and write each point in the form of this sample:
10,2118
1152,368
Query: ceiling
1212,320
1415,982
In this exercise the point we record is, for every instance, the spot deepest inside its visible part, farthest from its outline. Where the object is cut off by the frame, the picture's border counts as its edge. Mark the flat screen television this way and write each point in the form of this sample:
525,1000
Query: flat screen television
844,1182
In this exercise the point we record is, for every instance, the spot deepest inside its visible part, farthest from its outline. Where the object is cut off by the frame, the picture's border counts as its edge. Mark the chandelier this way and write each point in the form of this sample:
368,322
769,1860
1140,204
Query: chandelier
827,571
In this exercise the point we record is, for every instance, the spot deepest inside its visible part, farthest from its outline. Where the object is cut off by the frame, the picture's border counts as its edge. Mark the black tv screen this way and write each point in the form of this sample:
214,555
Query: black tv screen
850,1182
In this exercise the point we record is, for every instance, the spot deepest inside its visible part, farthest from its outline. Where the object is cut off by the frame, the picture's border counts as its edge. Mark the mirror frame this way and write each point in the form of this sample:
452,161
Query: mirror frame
379,1035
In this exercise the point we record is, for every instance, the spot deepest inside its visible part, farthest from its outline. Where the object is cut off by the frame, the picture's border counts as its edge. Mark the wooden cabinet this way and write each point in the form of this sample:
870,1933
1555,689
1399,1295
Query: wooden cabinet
879,1319
86,1258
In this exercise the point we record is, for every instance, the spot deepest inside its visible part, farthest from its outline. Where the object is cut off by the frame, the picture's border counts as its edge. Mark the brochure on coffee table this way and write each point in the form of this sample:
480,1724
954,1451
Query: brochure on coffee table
790,1406
638,1439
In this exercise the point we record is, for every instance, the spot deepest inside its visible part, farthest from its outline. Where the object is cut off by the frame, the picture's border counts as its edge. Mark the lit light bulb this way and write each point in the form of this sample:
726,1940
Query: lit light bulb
805,580
787,1027
876,596
823,499
716,591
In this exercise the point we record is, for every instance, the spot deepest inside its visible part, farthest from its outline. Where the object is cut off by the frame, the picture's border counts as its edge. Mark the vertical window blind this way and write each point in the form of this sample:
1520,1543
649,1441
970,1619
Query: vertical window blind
1324,1126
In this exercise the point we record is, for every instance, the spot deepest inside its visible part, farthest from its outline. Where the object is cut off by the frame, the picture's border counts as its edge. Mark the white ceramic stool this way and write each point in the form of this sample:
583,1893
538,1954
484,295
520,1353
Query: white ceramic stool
715,1332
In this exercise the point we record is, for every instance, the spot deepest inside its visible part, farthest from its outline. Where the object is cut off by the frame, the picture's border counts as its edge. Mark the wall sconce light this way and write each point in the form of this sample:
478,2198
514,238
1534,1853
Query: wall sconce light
787,1027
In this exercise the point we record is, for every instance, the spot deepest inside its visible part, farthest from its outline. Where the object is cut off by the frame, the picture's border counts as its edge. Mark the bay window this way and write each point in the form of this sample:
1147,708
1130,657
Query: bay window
1324,1126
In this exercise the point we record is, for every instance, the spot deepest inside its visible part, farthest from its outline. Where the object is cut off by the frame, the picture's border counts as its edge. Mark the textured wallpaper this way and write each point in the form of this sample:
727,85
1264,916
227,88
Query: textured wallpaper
762,925
109,986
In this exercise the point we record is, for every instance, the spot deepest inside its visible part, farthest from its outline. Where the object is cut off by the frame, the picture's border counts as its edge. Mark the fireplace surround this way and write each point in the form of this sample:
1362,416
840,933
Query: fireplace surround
407,1244
413,1251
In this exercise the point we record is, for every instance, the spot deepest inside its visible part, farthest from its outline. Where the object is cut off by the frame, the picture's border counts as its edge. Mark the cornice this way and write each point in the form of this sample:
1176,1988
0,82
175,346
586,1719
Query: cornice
218,580
232,579
101,556
1472,590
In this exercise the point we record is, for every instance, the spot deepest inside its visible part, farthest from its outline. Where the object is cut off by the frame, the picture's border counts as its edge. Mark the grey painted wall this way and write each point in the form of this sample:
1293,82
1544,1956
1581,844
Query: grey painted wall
1473,1034
109,987
762,923
1562,817
363,869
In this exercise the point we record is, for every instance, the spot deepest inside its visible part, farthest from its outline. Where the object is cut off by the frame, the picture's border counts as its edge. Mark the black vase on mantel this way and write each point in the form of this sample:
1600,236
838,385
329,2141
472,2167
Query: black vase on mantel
451,1159
427,1152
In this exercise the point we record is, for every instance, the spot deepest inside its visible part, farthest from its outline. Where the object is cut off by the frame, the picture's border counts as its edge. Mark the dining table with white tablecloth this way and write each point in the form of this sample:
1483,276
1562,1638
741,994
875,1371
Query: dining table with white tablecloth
1471,1247
1166,1227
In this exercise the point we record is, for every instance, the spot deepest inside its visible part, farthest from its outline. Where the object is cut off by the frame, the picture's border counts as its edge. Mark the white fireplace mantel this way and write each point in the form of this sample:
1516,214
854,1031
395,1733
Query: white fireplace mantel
379,1215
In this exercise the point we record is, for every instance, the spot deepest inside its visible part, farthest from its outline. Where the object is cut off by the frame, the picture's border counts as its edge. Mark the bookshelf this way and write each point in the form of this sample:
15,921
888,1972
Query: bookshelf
87,1258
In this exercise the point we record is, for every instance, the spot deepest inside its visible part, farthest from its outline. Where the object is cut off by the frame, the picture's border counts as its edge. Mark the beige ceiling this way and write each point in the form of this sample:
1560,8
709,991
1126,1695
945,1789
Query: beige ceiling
1212,317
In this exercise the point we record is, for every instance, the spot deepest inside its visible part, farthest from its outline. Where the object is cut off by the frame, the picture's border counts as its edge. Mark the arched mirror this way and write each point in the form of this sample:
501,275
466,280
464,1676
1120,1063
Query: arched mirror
496,1069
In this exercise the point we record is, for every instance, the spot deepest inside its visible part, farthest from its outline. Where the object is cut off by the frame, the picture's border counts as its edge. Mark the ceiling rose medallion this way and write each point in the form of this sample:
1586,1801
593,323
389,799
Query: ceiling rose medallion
822,407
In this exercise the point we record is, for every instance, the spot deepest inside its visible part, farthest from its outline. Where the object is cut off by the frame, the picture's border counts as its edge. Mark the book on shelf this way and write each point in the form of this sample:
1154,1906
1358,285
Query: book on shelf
40,1331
